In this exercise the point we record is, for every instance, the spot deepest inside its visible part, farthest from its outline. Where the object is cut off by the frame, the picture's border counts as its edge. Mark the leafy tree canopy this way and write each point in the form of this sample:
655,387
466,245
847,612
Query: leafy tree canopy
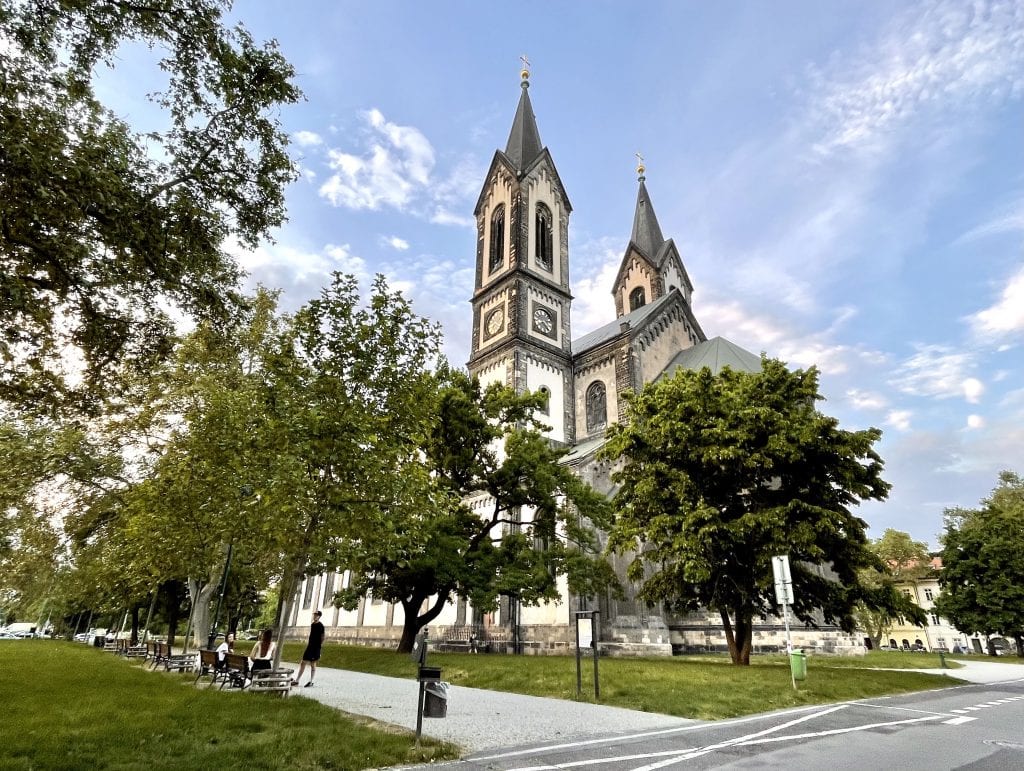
496,513
903,560
982,575
720,473
103,230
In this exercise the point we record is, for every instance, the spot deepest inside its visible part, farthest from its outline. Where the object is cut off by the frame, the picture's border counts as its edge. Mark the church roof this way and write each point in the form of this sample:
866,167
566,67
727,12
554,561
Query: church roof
646,231
524,140
613,329
715,354
583,450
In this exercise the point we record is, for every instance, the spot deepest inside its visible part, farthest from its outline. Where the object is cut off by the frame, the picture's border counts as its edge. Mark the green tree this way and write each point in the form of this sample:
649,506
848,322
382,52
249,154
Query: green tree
982,575
904,560
721,472
102,228
489,512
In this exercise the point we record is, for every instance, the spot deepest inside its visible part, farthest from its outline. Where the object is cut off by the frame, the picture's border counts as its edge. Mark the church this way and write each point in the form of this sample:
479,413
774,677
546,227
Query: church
522,336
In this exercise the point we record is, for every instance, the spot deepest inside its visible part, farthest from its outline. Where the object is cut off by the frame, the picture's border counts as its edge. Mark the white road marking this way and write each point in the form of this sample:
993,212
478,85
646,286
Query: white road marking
959,720
739,740
639,735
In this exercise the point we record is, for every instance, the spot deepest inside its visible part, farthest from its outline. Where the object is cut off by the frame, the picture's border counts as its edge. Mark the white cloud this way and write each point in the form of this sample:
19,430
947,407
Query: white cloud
899,419
307,138
866,400
941,53
392,171
395,242
975,421
1007,314
935,371
443,216
973,389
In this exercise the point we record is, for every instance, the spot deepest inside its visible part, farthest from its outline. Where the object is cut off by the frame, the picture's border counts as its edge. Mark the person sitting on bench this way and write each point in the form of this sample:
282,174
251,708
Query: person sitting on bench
262,655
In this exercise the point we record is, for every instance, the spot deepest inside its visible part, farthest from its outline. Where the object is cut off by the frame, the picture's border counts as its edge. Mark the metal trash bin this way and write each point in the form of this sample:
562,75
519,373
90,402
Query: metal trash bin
435,702
798,665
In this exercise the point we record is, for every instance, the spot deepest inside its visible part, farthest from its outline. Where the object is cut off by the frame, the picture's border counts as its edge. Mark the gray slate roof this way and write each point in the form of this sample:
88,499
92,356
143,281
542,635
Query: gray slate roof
612,329
715,354
646,231
524,140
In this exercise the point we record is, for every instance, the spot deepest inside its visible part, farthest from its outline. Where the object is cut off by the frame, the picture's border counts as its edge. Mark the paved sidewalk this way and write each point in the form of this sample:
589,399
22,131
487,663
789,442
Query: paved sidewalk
477,719
975,670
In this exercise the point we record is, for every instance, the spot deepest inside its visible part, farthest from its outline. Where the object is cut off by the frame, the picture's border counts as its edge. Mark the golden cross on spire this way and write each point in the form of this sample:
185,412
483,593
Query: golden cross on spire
526,67
640,165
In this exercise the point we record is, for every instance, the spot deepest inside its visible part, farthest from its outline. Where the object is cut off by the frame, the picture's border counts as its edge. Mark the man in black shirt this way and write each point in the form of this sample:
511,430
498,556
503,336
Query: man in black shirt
312,653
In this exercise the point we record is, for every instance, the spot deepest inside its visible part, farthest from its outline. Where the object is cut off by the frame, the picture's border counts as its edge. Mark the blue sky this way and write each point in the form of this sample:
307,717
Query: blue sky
845,182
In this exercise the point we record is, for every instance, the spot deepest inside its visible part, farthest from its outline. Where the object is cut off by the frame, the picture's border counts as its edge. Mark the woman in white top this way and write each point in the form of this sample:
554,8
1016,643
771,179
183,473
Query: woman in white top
226,647
263,651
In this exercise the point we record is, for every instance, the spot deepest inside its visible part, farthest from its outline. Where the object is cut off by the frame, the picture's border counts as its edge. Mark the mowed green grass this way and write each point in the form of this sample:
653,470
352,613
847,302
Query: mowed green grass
69,706
706,688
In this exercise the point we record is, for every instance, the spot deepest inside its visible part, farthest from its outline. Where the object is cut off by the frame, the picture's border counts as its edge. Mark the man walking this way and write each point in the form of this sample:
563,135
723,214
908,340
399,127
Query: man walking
312,653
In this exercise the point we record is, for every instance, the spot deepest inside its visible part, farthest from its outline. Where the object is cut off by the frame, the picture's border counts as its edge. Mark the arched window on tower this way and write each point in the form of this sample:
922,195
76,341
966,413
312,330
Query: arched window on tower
543,237
497,245
597,407
545,392
637,299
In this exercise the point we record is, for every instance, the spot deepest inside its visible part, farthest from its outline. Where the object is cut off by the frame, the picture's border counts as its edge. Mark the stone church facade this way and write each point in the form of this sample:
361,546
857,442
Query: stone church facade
523,337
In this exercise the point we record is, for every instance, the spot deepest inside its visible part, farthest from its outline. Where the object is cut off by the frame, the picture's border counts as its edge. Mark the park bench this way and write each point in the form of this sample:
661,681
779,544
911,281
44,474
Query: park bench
236,670
275,681
110,644
181,662
209,665
137,651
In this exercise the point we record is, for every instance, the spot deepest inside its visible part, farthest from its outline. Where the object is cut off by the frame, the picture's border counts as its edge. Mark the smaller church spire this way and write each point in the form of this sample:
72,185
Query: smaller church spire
524,140
646,231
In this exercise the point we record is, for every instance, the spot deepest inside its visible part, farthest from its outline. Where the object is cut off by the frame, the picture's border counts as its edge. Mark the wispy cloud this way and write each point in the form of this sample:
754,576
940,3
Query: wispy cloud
1008,220
899,419
390,172
935,54
937,371
1006,316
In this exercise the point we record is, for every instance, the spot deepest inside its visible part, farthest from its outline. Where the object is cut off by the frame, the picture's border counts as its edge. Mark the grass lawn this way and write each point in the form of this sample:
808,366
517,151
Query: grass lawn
70,706
705,687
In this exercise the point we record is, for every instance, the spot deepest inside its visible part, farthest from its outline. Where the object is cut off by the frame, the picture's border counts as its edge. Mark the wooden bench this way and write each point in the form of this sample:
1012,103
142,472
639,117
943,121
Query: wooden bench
275,681
208,665
236,670
180,662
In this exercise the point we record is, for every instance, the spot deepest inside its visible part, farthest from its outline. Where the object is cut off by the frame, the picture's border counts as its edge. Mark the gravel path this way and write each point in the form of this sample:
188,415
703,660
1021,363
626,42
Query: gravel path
477,719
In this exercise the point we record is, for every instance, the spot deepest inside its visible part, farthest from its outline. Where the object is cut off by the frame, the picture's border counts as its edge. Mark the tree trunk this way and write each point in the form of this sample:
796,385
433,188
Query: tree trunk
201,594
135,625
737,636
1019,637
415,622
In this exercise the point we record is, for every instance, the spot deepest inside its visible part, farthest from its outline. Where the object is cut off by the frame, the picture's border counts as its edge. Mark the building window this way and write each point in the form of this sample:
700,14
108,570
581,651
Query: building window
928,595
935,619
497,246
546,394
597,407
543,237
329,589
909,593
307,597
637,298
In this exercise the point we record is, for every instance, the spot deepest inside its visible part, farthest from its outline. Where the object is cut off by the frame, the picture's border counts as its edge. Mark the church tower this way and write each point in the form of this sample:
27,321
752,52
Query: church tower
521,299
651,266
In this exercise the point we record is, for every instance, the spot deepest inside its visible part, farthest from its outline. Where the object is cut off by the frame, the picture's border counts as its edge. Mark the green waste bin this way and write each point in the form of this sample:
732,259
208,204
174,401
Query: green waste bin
798,664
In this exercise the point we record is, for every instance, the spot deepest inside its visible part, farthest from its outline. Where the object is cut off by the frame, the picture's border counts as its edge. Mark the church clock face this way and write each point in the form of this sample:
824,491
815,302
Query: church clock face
544,321
495,321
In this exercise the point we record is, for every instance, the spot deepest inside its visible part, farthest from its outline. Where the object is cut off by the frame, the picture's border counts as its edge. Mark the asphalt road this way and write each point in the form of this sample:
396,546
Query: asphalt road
974,726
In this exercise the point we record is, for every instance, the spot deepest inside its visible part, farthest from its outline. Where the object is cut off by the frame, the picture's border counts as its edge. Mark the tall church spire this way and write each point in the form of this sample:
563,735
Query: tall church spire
646,231
524,140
